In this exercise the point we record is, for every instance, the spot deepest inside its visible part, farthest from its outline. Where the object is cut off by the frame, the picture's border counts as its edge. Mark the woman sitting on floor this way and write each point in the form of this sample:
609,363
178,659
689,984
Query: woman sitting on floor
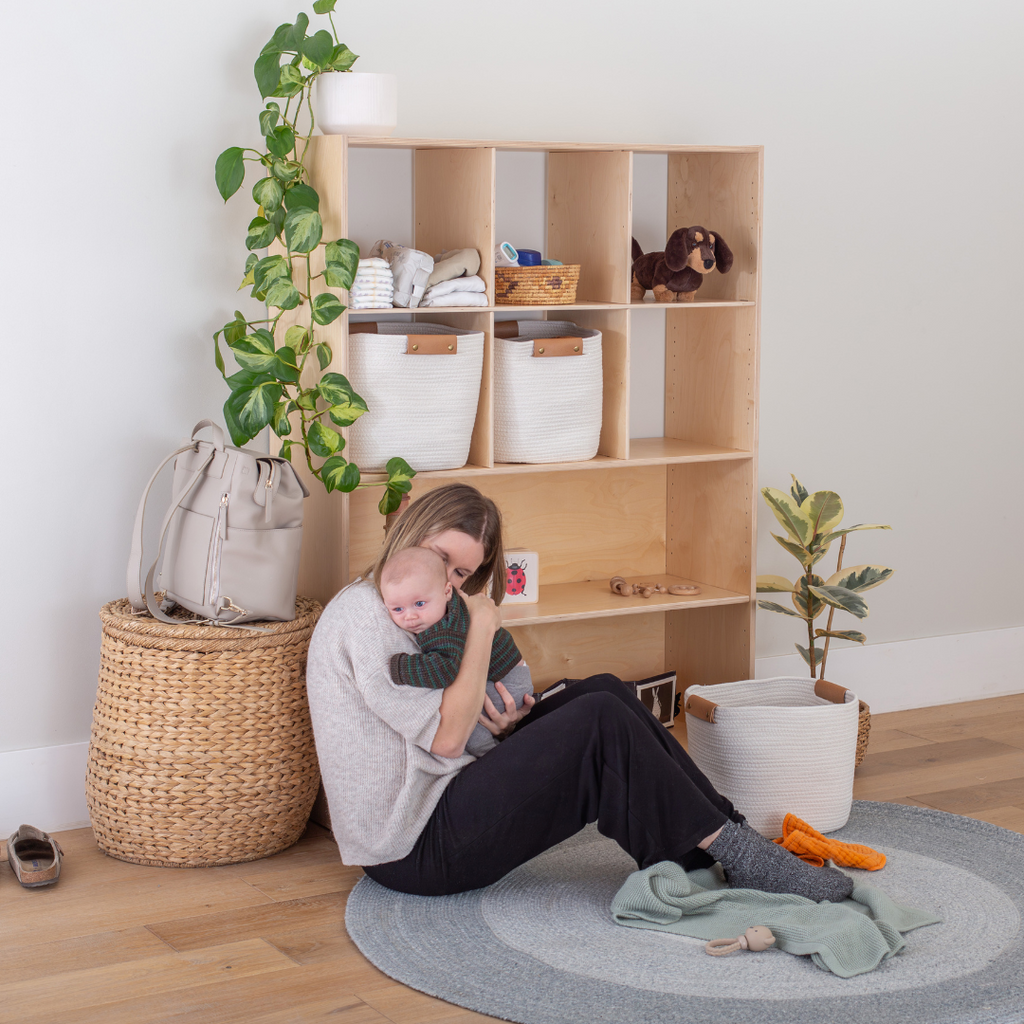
422,816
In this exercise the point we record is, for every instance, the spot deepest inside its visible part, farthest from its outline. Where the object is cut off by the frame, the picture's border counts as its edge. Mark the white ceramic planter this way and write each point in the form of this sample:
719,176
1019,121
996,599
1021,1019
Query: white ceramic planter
356,103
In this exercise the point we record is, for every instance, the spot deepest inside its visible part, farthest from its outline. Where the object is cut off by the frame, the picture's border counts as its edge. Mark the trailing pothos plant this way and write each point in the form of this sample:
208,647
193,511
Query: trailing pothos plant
810,522
268,389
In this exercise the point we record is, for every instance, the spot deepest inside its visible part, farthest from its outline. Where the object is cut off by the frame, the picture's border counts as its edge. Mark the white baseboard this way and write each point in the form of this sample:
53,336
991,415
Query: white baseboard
920,673
45,786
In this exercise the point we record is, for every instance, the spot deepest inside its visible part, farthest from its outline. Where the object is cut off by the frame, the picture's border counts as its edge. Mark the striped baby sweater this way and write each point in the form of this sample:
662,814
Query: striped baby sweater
443,646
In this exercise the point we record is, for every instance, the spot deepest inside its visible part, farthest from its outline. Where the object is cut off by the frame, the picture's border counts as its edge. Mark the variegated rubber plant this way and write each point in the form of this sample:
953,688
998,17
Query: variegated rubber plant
268,389
811,523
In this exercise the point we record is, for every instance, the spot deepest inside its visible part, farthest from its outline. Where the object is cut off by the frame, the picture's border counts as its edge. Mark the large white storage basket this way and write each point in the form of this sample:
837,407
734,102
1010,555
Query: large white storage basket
775,746
547,408
421,406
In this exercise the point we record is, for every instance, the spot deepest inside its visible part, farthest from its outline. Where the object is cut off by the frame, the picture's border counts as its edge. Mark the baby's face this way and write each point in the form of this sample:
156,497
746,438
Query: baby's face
416,602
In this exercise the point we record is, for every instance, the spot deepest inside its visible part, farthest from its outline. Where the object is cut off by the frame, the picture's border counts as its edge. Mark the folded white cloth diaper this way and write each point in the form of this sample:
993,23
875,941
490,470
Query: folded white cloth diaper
458,284
410,267
458,299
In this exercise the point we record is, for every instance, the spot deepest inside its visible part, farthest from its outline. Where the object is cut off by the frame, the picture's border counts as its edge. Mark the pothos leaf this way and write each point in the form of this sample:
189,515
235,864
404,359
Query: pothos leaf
267,71
261,233
342,58
400,475
290,81
339,475
269,117
253,405
326,308
280,423
229,172
324,355
303,230
281,141
324,441
302,195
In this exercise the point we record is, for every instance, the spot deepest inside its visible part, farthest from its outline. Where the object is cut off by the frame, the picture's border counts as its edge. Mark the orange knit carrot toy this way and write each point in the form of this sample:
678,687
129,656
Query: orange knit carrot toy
810,845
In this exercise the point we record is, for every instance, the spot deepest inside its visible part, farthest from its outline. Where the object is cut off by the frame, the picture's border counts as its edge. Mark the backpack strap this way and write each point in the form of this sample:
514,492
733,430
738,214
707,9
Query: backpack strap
137,591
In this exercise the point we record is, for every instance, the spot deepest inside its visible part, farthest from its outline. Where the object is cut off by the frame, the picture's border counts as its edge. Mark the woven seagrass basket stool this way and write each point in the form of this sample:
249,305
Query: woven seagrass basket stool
202,749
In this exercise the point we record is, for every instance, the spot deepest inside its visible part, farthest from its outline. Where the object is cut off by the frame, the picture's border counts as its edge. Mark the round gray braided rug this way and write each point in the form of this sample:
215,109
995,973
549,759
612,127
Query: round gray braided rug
540,947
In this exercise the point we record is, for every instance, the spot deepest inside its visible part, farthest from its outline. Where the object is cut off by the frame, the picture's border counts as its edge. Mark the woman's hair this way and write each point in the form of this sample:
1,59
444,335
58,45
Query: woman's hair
451,507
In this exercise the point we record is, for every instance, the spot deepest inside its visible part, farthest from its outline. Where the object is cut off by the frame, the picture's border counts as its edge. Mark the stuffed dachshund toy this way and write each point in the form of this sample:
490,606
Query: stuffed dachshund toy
677,273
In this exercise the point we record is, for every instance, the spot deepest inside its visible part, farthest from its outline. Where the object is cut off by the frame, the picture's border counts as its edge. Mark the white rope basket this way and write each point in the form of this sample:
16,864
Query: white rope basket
421,407
547,409
775,746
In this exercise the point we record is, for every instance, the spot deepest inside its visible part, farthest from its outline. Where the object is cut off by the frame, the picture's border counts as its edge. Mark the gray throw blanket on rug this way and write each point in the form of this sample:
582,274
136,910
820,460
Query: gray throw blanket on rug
847,938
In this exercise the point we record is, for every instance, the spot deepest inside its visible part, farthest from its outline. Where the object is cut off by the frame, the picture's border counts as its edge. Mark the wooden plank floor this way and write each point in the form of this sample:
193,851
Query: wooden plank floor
265,942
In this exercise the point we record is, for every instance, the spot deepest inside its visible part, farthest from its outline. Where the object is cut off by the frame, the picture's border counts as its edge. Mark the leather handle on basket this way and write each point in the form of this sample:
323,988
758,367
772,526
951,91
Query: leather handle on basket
506,329
700,707
432,345
363,327
545,347
830,691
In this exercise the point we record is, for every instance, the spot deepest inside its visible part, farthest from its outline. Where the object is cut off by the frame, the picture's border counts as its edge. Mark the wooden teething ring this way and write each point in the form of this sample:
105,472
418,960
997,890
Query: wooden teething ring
620,586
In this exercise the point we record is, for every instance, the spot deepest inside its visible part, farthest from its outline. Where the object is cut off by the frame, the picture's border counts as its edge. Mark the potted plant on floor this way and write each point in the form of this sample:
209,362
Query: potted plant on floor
278,384
811,523
790,744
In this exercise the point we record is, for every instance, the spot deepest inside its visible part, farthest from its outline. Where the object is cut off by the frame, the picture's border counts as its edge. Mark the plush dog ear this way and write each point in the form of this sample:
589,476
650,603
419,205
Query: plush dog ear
723,254
637,251
678,249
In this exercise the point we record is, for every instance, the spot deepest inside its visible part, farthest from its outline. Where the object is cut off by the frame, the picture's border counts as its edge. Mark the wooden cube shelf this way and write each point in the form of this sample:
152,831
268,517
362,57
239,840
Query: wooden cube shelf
674,508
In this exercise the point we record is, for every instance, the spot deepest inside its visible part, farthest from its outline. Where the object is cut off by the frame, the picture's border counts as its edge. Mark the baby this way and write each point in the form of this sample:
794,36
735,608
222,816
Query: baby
415,588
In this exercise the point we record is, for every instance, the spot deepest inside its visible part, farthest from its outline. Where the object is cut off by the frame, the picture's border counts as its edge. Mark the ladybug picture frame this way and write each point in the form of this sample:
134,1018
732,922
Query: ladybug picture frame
522,571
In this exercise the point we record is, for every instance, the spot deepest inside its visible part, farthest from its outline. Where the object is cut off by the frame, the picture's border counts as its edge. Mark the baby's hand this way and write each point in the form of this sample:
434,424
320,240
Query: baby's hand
483,610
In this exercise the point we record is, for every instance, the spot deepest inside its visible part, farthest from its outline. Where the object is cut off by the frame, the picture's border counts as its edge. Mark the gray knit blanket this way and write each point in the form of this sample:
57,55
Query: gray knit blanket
847,938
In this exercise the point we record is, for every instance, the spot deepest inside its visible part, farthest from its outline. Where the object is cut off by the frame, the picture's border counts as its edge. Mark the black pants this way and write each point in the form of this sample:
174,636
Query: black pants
590,753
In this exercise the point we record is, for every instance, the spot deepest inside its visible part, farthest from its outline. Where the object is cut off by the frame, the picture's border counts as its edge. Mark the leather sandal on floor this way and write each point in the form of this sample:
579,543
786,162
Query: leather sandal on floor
34,857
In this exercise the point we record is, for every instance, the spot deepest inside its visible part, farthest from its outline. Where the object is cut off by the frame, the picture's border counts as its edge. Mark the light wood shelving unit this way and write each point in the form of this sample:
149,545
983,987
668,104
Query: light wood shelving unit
676,508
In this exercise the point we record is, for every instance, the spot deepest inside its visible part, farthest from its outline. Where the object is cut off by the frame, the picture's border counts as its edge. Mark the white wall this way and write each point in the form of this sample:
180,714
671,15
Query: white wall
892,352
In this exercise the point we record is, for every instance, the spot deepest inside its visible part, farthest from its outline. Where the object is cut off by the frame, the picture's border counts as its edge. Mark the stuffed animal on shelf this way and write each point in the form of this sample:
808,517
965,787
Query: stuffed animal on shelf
675,274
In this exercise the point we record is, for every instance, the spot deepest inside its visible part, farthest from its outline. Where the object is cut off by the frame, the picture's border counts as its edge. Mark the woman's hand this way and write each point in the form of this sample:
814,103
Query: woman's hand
501,723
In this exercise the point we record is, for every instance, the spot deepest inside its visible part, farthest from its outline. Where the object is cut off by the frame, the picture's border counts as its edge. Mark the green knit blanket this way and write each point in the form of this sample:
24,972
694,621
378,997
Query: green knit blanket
847,938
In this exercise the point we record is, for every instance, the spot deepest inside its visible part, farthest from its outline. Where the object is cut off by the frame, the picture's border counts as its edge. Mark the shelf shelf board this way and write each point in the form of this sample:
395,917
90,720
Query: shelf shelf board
703,303
442,310
565,602
644,451
389,142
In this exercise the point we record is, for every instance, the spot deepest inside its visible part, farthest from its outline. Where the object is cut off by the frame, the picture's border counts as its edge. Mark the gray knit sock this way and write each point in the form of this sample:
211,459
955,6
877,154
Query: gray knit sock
752,862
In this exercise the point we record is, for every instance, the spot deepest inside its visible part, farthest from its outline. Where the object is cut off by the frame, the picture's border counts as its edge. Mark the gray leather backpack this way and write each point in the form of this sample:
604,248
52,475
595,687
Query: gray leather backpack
230,541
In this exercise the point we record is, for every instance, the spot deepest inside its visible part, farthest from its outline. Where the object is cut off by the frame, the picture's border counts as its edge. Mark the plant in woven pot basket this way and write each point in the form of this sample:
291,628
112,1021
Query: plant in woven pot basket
282,381
811,523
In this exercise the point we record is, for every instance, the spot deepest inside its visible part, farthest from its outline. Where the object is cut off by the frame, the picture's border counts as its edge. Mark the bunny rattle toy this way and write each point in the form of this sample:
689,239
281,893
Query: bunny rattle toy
755,939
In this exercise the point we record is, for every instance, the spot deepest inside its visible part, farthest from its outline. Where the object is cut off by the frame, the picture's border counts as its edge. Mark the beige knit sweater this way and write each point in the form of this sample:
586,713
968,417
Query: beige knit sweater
373,736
